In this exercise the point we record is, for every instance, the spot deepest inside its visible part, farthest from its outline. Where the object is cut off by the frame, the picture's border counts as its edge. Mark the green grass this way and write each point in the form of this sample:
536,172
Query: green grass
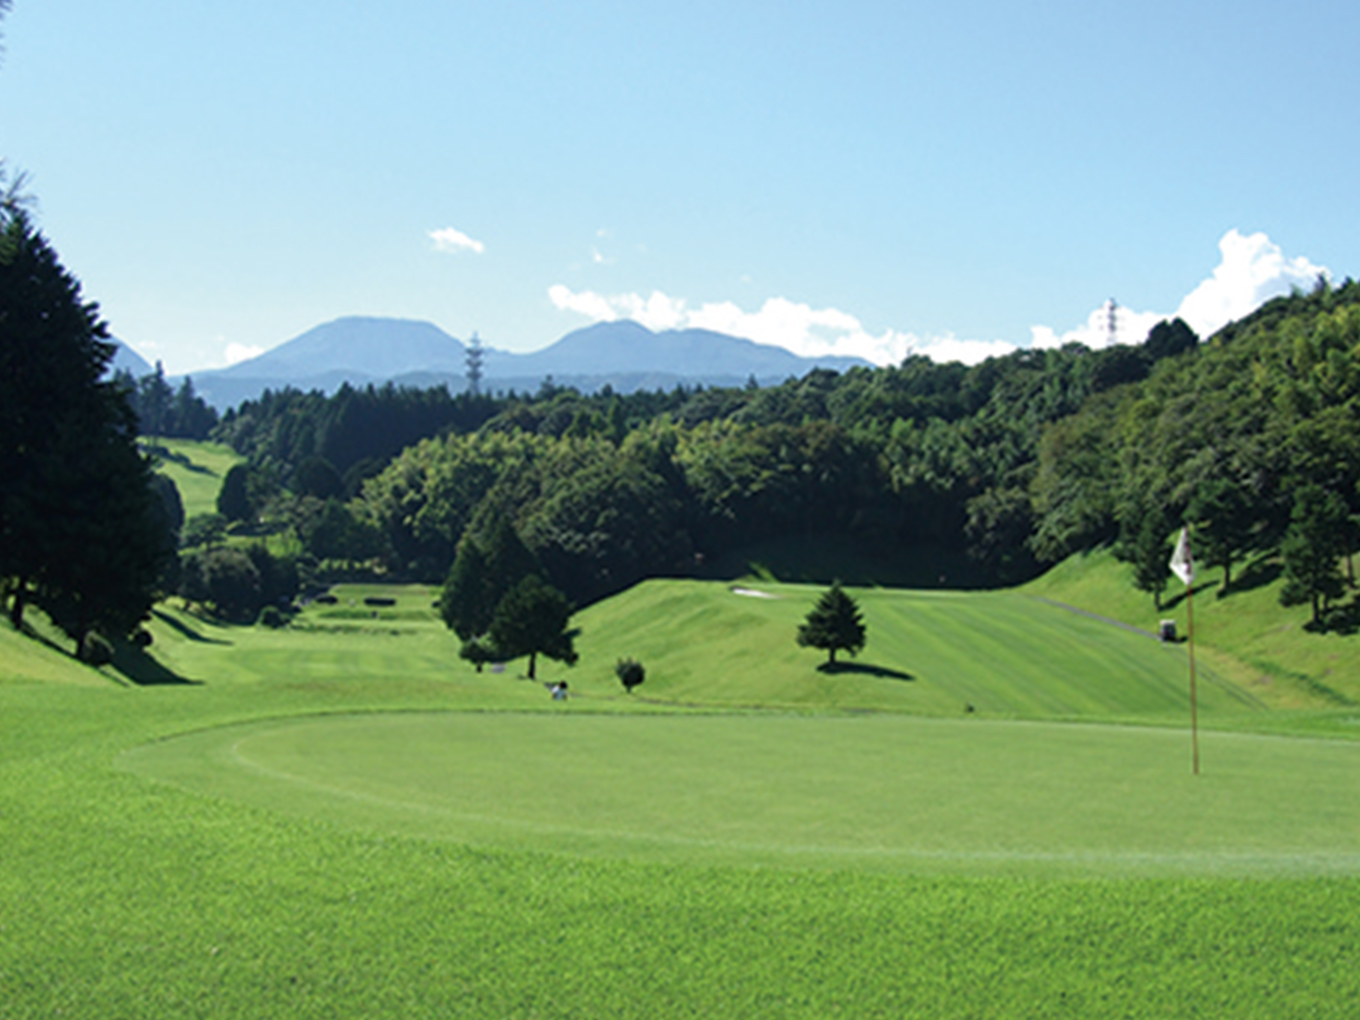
928,653
1246,635
197,469
877,793
734,880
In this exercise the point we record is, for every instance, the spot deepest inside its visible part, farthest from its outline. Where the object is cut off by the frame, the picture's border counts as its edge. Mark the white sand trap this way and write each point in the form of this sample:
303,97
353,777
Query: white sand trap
752,593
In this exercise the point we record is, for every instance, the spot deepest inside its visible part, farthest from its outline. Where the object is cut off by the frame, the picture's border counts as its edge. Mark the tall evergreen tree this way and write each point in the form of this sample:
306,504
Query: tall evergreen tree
233,499
78,525
833,623
484,569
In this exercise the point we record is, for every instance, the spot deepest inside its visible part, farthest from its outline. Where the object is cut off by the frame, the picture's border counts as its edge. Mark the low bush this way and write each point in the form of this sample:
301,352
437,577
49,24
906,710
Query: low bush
272,617
630,673
95,649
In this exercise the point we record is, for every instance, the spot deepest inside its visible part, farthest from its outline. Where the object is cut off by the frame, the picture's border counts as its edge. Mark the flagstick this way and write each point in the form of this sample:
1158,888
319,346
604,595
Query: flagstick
1194,700
1183,566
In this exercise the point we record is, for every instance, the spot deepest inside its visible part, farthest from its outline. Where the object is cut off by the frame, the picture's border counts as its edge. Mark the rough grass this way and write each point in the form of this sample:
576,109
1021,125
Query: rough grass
129,897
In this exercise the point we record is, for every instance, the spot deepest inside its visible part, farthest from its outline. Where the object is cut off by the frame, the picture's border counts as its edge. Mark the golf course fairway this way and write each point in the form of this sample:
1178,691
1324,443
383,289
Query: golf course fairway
844,792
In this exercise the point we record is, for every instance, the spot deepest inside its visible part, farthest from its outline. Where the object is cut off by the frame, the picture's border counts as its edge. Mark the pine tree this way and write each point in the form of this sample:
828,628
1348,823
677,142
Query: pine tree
79,532
833,623
485,568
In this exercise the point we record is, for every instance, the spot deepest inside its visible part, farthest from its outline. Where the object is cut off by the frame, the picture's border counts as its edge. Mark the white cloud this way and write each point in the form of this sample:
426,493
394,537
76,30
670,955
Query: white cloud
241,352
451,240
1252,270
779,322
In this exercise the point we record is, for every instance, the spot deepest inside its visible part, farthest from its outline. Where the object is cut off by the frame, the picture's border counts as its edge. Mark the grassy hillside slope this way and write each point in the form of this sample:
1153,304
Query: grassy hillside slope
1245,635
929,653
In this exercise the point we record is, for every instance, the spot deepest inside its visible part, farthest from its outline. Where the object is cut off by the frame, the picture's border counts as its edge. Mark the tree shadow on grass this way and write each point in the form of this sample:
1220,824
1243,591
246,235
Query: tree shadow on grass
181,459
1198,589
864,669
141,669
185,629
1344,619
1256,574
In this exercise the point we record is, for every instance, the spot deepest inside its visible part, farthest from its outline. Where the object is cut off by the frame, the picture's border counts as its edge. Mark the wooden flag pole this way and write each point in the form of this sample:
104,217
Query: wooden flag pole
1183,566
1194,699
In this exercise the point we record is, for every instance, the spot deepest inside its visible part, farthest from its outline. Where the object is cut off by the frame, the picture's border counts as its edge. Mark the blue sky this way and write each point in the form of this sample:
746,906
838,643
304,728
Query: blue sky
860,177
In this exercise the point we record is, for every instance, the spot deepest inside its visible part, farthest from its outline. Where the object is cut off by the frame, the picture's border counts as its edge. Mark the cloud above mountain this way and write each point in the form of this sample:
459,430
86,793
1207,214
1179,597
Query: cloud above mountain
1252,269
779,322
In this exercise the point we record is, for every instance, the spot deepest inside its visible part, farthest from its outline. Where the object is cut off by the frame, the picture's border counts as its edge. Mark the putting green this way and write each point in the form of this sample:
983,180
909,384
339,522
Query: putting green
891,792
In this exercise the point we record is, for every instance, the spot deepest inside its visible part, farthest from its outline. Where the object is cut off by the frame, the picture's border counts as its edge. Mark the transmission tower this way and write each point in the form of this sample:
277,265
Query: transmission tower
1112,322
474,365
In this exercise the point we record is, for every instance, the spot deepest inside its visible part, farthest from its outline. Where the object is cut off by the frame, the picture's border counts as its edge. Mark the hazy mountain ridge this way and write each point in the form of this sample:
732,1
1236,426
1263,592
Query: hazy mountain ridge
625,355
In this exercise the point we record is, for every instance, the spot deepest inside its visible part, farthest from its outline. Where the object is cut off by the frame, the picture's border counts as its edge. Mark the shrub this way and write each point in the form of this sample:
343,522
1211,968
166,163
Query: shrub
142,638
630,673
95,649
272,617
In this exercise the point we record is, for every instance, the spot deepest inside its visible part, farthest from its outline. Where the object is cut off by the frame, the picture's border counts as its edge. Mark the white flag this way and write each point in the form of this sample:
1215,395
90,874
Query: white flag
1181,563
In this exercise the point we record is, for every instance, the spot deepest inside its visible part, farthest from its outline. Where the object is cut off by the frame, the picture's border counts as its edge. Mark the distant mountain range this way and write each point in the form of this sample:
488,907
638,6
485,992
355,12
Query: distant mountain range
624,355
125,359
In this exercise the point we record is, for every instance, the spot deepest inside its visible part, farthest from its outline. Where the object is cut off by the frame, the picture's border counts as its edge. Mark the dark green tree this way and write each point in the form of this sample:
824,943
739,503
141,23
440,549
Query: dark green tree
204,529
233,499
834,623
1169,338
1312,549
630,672
155,401
191,417
1222,512
464,603
1149,551
316,476
78,525
232,583
484,569
532,620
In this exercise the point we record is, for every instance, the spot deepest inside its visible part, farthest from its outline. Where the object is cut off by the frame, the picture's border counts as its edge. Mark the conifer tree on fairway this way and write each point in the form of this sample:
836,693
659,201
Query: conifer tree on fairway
833,623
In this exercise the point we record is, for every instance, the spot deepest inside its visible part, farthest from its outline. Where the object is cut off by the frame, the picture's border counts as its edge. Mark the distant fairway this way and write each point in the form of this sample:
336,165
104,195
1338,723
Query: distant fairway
197,471
879,793
928,653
